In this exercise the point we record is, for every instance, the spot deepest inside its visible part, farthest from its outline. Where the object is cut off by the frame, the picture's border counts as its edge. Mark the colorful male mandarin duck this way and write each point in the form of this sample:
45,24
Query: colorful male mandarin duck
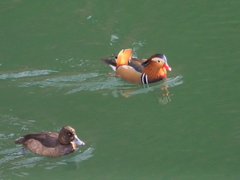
141,71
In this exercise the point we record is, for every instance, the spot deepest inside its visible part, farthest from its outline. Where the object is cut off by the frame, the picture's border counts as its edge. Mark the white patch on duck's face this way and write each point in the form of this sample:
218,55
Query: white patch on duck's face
157,59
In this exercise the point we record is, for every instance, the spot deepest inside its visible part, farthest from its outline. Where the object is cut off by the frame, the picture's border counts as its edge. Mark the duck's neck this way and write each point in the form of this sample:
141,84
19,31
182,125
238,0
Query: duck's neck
74,146
154,73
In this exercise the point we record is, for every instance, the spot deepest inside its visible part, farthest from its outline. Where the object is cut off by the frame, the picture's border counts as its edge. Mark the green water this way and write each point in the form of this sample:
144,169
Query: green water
51,75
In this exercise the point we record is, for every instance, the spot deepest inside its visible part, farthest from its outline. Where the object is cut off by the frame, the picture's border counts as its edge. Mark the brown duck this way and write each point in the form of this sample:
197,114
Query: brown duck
51,143
142,71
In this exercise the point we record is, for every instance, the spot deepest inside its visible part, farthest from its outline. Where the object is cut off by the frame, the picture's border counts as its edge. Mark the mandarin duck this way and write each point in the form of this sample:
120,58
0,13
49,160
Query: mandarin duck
141,71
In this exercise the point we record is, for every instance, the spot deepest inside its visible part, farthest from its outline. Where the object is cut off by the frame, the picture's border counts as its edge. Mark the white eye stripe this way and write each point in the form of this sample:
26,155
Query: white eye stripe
156,59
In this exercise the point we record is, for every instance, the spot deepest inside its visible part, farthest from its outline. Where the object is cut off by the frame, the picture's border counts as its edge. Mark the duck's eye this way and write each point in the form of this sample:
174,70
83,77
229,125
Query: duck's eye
159,61
69,134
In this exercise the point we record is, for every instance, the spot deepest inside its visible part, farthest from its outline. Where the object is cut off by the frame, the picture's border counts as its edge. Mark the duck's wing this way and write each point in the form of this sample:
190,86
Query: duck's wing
137,64
138,60
122,58
48,139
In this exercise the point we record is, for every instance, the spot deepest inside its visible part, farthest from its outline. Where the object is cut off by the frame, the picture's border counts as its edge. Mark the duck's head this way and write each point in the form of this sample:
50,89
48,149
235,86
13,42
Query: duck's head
67,135
159,60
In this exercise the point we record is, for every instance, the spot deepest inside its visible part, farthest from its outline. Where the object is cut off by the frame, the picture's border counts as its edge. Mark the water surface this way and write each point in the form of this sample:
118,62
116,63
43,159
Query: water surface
51,76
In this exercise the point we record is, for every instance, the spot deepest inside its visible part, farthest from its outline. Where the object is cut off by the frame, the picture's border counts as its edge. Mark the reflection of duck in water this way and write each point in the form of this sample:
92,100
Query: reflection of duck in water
161,91
165,97
142,71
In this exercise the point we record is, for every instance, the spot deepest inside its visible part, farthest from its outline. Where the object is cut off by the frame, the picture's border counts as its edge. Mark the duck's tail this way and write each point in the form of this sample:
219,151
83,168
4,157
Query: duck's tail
111,62
19,141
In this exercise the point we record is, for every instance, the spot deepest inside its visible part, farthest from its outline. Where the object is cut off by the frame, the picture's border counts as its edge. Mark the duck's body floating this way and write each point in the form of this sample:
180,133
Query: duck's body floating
142,71
51,143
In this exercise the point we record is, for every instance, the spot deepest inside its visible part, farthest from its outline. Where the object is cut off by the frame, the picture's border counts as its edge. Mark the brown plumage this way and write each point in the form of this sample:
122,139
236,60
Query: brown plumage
51,143
140,71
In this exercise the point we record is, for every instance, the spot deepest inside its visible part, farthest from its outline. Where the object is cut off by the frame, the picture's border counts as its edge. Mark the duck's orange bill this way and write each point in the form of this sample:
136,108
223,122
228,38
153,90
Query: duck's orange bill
123,57
167,67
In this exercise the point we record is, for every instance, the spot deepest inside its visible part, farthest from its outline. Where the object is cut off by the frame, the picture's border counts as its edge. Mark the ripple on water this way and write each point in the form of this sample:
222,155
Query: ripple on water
96,82
58,82
26,74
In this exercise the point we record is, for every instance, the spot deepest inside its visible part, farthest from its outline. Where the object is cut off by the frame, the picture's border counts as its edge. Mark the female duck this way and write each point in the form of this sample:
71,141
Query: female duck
140,71
51,143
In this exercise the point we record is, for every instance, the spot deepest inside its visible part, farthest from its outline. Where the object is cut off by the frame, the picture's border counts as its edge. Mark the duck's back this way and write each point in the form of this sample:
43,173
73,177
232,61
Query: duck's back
137,64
